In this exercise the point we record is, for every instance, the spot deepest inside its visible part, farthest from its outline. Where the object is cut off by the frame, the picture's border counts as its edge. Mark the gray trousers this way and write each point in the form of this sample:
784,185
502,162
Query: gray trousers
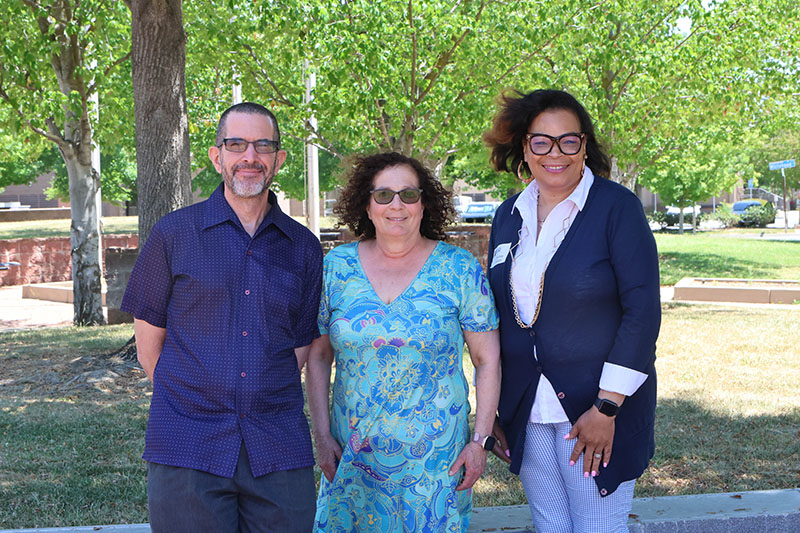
187,500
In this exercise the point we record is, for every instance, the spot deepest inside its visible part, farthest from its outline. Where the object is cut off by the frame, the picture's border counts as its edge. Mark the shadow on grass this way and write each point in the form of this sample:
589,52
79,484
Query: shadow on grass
677,265
704,451
65,463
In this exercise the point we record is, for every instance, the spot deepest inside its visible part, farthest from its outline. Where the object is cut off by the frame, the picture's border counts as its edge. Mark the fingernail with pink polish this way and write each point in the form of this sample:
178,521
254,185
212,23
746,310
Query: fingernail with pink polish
566,437
586,474
508,453
594,474
572,463
605,465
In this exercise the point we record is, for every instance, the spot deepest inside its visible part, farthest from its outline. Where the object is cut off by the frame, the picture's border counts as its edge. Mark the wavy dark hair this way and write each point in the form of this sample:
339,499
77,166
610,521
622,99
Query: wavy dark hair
515,113
354,199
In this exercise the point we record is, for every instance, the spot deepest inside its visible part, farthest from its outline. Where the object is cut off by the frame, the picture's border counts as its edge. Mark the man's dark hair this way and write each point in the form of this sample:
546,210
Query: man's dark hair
248,108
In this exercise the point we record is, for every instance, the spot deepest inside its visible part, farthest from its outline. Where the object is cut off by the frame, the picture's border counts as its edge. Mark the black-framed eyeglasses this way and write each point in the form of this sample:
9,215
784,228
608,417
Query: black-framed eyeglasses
385,196
542,144
261,146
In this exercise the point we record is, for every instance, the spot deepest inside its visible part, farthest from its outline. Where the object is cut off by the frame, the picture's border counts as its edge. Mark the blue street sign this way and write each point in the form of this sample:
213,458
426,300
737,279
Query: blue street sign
777,165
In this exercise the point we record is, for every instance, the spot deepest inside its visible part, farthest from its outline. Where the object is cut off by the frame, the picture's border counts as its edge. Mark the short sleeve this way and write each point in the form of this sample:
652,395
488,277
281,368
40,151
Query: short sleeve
149,288
324,315
305,329
477,311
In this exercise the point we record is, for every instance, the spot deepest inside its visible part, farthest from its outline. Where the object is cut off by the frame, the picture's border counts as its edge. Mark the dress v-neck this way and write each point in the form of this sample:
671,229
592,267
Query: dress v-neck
403,292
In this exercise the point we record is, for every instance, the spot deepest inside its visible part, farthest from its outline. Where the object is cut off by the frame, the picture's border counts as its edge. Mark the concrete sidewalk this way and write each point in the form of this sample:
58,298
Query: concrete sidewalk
771,511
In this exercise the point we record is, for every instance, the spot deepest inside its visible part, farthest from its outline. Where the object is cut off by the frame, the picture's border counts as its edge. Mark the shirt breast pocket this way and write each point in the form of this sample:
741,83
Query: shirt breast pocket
283,296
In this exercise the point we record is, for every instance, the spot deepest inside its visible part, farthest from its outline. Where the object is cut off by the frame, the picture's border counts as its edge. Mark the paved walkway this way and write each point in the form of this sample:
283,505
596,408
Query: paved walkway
17,312
776,511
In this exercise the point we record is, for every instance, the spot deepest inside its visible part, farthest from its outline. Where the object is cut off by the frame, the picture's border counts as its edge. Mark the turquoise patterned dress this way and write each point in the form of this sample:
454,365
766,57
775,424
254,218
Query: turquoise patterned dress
400,398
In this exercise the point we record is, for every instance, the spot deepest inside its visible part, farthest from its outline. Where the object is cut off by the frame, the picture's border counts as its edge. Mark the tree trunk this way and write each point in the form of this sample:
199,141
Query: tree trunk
158,59
84,240
625,177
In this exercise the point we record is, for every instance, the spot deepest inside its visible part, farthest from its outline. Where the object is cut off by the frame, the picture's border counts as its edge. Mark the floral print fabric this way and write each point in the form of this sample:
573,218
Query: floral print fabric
400,398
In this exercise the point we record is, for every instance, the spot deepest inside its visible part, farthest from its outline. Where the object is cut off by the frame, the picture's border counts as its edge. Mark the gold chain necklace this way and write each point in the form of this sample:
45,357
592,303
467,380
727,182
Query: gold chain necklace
564,228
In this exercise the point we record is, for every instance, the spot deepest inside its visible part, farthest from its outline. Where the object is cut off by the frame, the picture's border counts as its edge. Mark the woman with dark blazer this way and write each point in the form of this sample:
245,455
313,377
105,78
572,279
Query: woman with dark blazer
574,271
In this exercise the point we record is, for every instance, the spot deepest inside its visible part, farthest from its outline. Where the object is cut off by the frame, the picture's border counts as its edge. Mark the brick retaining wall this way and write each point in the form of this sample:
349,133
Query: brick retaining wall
47,259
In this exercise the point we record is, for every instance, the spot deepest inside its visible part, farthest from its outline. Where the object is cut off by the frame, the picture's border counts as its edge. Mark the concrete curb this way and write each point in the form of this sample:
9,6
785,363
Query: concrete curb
773,511
766,511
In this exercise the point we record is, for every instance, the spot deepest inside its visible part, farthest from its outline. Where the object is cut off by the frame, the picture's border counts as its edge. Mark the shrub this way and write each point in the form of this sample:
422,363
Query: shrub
758,216
724,215
672,219
658,217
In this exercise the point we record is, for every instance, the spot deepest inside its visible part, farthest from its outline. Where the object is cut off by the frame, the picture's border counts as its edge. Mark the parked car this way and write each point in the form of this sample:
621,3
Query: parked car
753,213
461,203
672,215
742,205
479,212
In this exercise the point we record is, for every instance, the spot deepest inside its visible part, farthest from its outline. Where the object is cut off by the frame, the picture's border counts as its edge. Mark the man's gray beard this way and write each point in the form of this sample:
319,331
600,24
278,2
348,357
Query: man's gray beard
245,189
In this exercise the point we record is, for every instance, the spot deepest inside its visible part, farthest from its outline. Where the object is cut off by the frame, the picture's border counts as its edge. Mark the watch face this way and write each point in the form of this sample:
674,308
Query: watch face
607,407
488,444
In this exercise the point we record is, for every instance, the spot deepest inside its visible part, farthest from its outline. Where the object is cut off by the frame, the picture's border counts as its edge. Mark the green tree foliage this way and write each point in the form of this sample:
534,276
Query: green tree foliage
414,77
55,57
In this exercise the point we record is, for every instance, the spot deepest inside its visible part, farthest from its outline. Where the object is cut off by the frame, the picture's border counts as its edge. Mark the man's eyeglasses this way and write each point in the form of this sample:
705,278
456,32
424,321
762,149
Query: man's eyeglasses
261,146
385,196
542,144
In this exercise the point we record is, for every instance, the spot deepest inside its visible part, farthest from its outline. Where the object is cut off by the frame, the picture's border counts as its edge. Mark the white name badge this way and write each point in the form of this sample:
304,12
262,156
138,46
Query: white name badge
500,254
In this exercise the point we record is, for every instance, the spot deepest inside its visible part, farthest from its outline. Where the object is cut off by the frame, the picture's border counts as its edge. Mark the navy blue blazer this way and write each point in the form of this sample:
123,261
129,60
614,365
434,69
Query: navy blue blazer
600,302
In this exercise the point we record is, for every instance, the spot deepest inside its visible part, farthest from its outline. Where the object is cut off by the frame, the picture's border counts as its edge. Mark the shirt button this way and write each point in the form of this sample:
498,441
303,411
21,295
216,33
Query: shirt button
244,334
244,374
561,395
241,415
247,292
603,492
249,252
538,368
532,333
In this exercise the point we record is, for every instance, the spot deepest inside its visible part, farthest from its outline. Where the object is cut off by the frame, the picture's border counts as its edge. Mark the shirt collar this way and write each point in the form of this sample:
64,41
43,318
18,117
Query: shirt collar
218,210
526,203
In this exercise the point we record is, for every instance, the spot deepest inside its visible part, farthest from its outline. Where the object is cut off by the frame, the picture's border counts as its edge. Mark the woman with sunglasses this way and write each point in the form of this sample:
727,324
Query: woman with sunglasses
395,448
574,271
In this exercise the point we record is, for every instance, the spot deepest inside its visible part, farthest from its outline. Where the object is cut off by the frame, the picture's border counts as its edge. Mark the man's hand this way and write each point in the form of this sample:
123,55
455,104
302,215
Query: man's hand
473,458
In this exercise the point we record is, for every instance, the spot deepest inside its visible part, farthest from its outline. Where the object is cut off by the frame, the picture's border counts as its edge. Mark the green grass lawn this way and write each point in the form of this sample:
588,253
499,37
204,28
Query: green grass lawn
60,227
728,417
726,255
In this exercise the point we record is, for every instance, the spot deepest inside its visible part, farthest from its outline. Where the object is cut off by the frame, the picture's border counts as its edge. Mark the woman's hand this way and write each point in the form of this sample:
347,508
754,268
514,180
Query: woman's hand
501,446
473,458
595,434
329,453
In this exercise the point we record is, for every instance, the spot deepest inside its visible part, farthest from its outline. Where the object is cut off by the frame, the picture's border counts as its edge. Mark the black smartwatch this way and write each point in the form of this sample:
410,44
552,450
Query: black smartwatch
487,442
607,407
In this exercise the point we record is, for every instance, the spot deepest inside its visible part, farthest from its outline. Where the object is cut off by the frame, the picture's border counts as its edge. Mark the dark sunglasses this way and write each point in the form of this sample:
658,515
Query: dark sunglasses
262,146
385,196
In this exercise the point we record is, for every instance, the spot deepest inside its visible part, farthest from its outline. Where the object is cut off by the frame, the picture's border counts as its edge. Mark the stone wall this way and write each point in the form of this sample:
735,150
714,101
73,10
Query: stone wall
47,259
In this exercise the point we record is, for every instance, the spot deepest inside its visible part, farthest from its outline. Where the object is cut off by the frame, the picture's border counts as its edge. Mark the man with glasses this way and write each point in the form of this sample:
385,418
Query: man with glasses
225,296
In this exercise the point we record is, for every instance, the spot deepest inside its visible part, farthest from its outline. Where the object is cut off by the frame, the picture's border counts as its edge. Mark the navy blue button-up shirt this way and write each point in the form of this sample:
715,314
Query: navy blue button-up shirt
234,308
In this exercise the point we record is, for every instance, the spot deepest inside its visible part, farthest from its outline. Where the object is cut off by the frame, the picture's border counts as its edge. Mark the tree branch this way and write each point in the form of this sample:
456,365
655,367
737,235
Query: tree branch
413,50
280,96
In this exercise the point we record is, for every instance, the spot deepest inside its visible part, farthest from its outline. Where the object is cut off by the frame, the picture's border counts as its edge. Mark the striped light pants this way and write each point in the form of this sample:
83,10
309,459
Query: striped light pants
561,499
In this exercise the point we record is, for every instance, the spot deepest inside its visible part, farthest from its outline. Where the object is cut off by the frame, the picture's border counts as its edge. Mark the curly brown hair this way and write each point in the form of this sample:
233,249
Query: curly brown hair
352,205
515,113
